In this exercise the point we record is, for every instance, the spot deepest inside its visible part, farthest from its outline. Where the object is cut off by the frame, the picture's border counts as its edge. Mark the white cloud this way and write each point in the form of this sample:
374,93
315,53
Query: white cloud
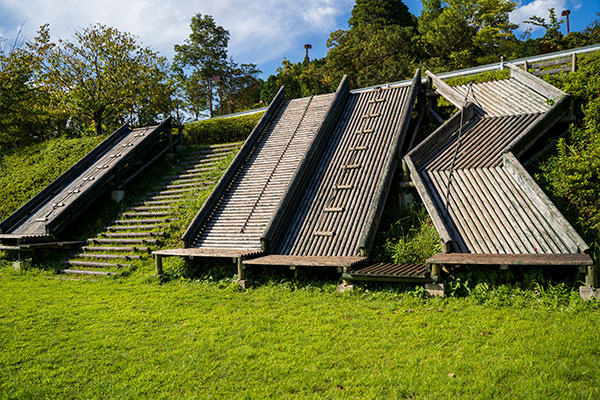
261,30
540,8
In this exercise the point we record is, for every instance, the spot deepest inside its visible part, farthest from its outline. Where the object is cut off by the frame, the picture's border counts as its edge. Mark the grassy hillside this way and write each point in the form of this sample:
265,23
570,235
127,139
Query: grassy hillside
27,170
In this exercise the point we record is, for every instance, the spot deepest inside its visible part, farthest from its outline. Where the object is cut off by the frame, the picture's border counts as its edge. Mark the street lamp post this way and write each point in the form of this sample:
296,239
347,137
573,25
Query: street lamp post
307,46
565,13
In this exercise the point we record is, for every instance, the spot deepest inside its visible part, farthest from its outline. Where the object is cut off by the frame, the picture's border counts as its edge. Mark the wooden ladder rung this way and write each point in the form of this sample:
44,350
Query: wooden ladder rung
324,233
371,115
364,131
334,209
344,187
351,166
374,101
359,148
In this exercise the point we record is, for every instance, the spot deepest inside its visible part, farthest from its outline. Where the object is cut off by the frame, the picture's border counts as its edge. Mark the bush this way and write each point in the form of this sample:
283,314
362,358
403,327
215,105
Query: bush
572,174
222,130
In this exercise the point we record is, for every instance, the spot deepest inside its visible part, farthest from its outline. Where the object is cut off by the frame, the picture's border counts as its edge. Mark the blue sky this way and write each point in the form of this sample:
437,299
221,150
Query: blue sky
262,31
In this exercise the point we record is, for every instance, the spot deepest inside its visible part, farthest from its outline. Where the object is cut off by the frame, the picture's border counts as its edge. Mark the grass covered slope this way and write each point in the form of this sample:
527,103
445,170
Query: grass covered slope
26,171
136,339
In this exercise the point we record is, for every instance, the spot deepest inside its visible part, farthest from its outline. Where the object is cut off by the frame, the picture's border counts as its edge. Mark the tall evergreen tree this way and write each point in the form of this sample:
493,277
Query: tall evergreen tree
205,53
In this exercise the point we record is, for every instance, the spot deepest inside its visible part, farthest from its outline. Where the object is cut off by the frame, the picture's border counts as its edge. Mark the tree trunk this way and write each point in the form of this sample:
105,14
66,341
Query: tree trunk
98,124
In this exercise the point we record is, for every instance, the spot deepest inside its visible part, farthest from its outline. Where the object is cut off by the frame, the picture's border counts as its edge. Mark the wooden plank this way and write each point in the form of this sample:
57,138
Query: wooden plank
558,61
551,71
447,91
554,217
511,259
207,252
535,83
306,261
429,204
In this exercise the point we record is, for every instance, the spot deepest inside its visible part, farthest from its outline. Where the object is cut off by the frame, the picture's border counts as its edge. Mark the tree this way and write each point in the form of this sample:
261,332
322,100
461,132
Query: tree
377,48
370,54
205,53
240,87
553,39
463,33
380,13
105,76
27,113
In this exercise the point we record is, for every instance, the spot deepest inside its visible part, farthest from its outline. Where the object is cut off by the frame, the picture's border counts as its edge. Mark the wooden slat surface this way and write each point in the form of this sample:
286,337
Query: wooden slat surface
304,235
207,252
249,203
511,259
36,223
307,261
480,203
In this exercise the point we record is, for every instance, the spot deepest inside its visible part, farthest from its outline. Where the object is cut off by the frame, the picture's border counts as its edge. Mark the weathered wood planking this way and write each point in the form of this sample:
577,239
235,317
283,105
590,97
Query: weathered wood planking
306,261
481,199
49,212
512,259
207,252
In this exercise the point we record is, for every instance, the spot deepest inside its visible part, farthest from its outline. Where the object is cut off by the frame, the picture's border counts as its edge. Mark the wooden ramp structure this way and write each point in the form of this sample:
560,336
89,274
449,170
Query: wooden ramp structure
39,222
330,214
309,185
486,207
231,221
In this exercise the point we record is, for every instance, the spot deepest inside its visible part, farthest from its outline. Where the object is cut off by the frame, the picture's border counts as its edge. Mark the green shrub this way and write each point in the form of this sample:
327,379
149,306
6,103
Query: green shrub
27,170
572,174
222,130
406,235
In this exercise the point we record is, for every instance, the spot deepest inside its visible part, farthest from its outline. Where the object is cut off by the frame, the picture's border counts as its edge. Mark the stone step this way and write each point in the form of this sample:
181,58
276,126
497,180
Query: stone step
143,221
195,183
109,256
116,248
133,234
161,196
129,227
180,191
95,264
146,214
154,202
80,272
122,241
151,208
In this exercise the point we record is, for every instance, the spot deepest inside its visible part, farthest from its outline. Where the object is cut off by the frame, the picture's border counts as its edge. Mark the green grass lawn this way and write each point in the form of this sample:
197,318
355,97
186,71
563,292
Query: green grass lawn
136,338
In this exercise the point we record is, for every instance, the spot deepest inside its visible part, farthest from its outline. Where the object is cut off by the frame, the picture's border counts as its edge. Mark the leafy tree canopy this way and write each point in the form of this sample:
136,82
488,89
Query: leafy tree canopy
104,76
381,13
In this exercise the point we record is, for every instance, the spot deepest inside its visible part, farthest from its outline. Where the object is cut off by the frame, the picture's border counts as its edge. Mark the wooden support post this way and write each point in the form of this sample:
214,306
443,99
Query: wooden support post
574,62
591,279
158,265
242,281
436,270
346,285
526,66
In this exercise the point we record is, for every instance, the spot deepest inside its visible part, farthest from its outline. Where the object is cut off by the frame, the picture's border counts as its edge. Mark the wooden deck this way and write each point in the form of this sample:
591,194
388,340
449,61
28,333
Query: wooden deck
390,272
207,252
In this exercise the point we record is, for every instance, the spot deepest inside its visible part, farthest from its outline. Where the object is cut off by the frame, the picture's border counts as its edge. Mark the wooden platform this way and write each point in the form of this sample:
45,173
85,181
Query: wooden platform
207,252
389,272
306,261
512,259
